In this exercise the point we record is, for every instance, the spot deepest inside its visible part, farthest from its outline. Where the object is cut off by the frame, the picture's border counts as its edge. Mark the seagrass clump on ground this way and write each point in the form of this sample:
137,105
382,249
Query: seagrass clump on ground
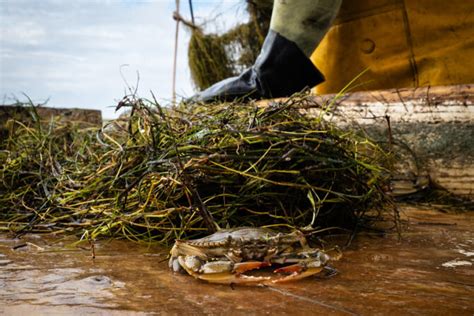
166,173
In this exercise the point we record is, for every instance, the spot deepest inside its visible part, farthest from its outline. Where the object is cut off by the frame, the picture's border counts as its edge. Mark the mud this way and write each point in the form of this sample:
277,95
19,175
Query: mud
430,271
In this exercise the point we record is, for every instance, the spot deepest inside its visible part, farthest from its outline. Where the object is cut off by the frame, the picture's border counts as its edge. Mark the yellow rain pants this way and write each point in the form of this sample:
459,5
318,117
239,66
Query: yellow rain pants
402,43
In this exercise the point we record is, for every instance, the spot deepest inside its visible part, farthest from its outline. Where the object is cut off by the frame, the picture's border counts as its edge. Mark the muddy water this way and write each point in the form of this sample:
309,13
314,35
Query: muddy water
431,271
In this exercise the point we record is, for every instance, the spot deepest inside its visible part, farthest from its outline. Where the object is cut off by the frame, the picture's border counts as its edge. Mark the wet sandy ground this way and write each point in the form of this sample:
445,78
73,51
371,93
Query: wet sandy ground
430,271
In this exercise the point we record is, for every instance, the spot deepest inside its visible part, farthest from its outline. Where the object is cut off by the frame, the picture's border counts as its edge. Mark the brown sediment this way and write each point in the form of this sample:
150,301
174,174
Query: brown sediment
377,275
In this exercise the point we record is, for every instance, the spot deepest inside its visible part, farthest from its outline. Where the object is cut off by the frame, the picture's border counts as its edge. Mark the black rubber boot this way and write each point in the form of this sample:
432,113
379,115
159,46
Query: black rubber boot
280,70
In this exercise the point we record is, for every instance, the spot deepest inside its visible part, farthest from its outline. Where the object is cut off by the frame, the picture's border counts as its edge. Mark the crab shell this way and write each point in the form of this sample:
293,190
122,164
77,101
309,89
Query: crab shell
224,256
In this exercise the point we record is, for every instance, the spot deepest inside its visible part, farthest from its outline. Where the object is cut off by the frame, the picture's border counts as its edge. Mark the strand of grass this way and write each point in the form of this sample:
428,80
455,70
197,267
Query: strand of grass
280,183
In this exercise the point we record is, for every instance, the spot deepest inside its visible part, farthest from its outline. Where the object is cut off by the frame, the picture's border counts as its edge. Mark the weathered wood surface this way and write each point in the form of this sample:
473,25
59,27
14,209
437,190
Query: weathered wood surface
22,113
429,104
432,129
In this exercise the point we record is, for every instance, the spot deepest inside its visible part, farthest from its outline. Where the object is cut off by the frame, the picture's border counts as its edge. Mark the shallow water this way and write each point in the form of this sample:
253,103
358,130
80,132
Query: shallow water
430,271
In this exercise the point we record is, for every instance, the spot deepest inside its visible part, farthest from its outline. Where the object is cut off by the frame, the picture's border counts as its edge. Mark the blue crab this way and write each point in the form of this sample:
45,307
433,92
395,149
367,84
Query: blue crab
226,255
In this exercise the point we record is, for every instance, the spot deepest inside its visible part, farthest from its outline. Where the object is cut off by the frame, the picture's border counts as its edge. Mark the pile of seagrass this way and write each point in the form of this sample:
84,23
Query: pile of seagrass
173,173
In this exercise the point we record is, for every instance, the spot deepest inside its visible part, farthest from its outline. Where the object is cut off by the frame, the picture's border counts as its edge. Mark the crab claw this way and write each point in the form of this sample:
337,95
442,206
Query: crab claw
296,272
223,272
294,268
249,265
237,276
229,278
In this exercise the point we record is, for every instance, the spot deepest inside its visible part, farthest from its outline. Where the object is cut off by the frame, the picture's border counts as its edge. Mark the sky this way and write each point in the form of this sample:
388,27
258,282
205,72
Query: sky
85,53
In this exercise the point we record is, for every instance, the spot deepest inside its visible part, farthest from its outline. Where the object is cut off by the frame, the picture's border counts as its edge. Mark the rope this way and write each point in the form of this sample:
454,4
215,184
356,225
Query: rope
175,59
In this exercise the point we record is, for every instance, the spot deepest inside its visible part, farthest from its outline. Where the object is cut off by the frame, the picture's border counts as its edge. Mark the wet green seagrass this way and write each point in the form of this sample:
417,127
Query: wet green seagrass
166,173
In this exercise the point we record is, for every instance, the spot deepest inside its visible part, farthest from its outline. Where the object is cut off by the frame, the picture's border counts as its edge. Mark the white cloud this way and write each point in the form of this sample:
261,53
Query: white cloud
25,32
72,51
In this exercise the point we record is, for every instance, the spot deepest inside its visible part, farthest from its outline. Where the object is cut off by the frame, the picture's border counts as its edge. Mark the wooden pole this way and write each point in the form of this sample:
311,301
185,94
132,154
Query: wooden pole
175,59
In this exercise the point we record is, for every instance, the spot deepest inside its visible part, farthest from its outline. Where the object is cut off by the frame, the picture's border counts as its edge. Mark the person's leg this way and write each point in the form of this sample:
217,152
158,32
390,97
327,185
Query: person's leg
283,66
304,21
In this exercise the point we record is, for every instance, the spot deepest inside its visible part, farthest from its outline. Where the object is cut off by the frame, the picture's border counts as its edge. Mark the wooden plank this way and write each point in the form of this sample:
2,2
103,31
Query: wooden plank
22,113
429,104
432,127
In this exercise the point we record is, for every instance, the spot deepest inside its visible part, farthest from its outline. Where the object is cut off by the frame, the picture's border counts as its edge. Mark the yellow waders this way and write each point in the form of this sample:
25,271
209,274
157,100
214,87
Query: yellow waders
409,43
